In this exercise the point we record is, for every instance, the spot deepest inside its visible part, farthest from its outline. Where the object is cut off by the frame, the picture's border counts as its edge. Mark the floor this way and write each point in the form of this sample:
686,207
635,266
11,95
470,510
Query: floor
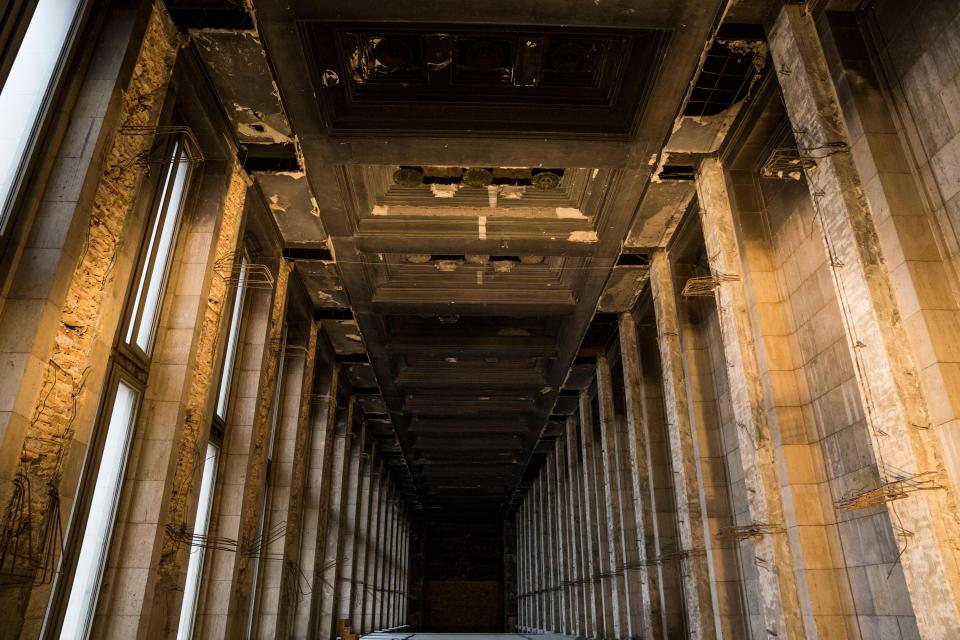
407,635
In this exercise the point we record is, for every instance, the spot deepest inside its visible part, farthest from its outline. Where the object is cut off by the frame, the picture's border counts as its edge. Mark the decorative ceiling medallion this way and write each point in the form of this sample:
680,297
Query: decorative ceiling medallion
475,177
408,177
545,180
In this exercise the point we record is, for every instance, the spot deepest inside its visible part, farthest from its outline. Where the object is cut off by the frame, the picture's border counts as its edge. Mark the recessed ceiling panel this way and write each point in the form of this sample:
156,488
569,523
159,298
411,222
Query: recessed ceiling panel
431,77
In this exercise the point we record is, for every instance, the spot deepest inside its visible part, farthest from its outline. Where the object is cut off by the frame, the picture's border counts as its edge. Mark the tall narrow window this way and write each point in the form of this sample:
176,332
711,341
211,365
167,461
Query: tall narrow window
103,510
25,93
153,274
191,590
233,338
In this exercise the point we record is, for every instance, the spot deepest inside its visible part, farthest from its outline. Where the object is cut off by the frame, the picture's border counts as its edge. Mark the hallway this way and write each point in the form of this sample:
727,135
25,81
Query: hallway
502,320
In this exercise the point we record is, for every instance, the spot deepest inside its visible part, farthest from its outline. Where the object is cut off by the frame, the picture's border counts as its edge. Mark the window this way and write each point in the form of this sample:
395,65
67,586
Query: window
27,89
233,338
103,509
159,248
99,494
191,591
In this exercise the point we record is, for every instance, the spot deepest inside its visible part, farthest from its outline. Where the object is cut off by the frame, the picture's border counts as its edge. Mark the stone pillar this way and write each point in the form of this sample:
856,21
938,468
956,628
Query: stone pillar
696,573
256,477
360,545
346,568
640,463
550,538
898,415
592,550
771,552
577,544
563,537
616,522
323,416
373,552
339,464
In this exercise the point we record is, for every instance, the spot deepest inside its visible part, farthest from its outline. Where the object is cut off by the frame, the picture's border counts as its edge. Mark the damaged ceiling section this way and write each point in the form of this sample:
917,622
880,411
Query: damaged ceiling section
470,200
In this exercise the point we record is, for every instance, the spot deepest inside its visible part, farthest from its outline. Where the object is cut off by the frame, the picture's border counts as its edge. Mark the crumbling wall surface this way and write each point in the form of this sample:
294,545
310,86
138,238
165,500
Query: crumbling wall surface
897,413
77,352
196,343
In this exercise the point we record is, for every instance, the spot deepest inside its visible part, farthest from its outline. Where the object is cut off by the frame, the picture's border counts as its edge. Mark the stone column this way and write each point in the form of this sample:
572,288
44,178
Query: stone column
547,473
898,415
640,462
592,550
322,425
771,552
373,551
360,545
577,544
348,529
617,521
340,464
255,484
696,573
563,537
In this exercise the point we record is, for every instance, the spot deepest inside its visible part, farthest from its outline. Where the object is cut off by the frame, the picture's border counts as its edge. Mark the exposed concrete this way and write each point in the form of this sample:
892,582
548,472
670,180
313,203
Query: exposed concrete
886,369
781,611
684,456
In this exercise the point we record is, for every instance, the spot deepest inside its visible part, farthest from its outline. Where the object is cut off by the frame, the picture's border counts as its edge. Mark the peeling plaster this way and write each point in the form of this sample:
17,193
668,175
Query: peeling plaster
583,236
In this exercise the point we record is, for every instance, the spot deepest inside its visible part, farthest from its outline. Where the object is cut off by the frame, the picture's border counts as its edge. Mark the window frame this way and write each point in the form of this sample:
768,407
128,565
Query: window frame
80,512
234,335
44,120
160,193
195,609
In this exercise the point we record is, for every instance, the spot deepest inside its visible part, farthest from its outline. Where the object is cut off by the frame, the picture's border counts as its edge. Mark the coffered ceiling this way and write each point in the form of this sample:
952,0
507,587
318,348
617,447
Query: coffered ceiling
462,186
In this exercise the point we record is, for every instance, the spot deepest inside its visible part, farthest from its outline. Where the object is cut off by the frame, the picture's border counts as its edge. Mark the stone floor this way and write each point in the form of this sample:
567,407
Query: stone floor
408,635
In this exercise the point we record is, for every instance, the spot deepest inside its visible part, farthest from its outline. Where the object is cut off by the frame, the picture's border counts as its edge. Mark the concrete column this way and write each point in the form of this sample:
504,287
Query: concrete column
616,523
385,611
898,415
530,529
293,569
592,550
360,545
548,473
316,496
771,553
537,558
641,465
382,560
405,568
255,484
348,528
279,575
523,569
696,572
372,554
382,573
391,608
340,465
577,544
563,541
